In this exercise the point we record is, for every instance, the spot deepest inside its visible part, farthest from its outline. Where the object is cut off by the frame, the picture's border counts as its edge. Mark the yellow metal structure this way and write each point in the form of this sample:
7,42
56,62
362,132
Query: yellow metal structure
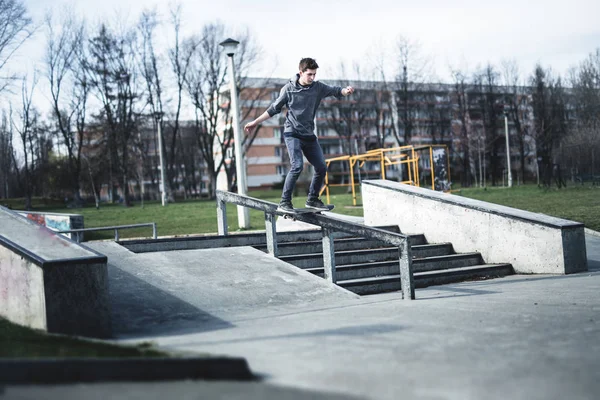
404,155
385,157
428,152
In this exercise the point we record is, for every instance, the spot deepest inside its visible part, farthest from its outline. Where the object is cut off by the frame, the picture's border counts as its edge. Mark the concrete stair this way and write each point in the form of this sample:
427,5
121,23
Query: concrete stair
368,267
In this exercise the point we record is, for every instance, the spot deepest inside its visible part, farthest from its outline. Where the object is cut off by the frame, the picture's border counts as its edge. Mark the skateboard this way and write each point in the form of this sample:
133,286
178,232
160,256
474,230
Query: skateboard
298,211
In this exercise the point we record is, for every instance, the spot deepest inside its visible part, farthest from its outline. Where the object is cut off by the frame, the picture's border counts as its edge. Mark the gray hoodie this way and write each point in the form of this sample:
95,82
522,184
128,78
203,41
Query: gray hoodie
302,103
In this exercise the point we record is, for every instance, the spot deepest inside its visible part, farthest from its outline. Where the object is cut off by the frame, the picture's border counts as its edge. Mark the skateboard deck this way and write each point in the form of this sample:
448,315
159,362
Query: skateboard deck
299,211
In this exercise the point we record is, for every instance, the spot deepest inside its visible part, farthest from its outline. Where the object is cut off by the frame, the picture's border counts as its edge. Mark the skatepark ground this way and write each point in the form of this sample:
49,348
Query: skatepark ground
518,337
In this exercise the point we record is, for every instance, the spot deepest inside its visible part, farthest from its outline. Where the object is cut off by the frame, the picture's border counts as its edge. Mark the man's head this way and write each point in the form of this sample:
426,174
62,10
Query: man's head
308,70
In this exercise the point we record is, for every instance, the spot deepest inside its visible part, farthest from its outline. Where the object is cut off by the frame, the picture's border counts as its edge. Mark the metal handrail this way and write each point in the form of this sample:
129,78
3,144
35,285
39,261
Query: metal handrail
329,225
108,228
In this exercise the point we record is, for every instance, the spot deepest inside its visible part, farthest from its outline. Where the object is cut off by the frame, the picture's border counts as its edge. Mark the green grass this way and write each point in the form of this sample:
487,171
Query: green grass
575,203
180,218
17,341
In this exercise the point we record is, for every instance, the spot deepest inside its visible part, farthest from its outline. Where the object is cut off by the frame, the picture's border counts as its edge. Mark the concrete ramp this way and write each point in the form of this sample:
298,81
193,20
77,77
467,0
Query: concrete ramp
199,290
49,282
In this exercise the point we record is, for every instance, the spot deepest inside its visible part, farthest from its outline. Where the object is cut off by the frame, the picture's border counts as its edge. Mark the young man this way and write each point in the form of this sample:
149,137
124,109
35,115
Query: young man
302,96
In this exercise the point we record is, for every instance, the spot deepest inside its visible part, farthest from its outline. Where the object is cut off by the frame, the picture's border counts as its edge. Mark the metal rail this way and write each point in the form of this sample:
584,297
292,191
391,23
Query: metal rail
329,225
109,228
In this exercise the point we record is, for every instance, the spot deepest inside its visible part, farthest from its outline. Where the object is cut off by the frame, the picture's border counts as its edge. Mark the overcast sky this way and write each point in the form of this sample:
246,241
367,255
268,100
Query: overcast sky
459,33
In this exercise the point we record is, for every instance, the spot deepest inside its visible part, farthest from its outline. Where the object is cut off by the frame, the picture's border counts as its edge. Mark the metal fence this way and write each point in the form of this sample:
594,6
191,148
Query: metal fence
329,225
116,228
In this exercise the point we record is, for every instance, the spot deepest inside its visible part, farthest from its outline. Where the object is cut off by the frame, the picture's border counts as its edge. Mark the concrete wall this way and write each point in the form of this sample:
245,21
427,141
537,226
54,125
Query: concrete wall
531,242
56,221
50,282
22,297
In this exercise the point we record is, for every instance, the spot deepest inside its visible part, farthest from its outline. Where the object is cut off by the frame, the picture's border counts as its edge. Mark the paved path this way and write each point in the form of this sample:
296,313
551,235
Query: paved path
519,337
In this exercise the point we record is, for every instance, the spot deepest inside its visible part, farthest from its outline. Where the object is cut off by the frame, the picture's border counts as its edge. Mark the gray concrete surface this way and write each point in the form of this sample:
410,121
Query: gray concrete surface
531,242
519,337
196,290
49,282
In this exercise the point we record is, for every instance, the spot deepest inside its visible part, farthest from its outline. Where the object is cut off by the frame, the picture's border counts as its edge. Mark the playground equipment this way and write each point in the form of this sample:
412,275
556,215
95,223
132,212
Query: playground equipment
434,159
389,163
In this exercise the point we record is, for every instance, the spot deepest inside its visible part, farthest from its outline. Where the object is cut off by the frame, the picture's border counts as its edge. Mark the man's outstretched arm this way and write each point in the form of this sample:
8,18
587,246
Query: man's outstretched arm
273,109
249,127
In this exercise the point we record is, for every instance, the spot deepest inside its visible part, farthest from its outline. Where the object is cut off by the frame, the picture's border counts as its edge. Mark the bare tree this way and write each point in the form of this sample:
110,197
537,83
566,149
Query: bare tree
413,71
112,74
152,72
206,83
517,104
25,126
385,124
463,114
582,145
487,100
7,151
585,82
550,121
203,83
17,27
68,89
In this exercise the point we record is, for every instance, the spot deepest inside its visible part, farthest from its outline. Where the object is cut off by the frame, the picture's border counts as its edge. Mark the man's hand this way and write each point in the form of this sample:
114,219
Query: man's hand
347,91
250,126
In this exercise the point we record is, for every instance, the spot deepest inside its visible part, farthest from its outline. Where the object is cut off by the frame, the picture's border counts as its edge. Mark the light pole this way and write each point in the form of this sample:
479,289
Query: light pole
507,146
163,175
230,46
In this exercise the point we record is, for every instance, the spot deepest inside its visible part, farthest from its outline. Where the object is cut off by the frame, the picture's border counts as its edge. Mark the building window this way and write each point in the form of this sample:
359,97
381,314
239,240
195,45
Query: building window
277,151
274,95
277,132
281,170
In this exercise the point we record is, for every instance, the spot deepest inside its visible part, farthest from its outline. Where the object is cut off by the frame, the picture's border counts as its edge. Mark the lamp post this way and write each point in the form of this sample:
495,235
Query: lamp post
509,177
230,46
163,175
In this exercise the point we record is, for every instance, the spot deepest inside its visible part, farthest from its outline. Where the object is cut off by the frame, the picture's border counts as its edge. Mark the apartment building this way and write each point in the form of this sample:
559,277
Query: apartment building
388,115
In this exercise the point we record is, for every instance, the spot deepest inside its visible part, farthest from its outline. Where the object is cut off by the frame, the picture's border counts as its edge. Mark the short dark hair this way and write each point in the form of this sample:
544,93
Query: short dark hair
308,63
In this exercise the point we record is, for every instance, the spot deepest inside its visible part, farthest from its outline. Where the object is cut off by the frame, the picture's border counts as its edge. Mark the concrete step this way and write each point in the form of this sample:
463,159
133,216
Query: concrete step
390,283
257,239
383,268
315,260
341,244
233,240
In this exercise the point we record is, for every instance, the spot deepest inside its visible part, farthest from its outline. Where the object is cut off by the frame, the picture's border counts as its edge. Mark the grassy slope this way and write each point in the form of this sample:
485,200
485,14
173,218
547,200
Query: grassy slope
17,341
576,203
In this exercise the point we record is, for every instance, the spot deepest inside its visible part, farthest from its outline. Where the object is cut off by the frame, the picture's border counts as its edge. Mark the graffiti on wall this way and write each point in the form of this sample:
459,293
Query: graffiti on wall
440,168
54,222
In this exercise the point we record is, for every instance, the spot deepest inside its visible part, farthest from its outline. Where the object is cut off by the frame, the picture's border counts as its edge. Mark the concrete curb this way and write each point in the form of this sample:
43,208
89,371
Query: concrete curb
591,232
21,371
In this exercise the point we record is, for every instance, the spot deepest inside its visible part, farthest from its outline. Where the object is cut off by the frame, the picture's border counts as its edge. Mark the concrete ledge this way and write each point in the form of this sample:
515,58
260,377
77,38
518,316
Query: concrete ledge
19,371
531,242
55,221
49,282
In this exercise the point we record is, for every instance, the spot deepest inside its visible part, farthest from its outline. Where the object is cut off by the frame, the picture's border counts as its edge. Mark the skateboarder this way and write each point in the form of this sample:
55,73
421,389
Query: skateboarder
302,96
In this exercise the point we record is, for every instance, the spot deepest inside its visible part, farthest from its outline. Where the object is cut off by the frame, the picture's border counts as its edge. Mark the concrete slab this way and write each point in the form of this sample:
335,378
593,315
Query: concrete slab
185,390
39,240
49,282
286,224
197,290
520,337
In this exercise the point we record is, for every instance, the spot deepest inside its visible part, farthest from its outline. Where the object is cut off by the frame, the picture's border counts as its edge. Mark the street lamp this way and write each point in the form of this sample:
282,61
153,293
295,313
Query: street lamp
507,146
230,46
163,175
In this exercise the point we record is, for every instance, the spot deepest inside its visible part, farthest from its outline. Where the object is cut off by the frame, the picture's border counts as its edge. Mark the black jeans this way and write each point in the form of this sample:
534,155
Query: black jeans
314,154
